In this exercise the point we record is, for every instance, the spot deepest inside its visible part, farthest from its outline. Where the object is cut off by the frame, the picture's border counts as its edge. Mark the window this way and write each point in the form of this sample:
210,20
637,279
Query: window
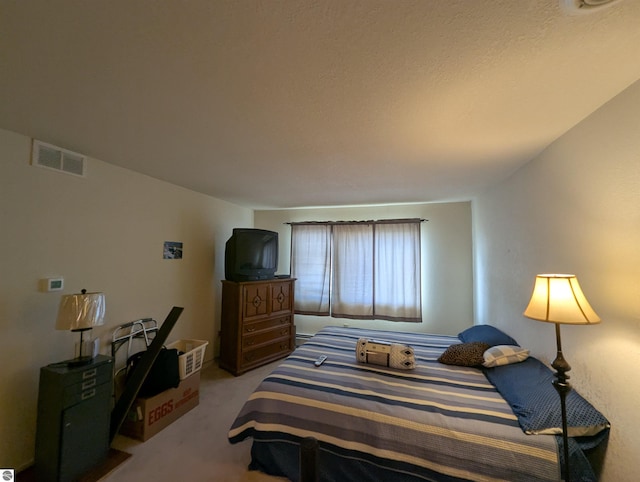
361,270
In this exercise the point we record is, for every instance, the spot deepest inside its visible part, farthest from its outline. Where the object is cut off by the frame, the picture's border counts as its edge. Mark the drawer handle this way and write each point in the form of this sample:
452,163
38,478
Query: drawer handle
251,329
251,342
89,373
89,384
88,394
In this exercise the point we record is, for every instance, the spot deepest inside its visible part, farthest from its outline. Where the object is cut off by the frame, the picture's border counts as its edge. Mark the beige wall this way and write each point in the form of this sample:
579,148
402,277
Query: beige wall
447,298
104,232
575,209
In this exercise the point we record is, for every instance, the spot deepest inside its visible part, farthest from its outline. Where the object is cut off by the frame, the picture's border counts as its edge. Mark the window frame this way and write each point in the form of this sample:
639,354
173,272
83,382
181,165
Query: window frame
409,312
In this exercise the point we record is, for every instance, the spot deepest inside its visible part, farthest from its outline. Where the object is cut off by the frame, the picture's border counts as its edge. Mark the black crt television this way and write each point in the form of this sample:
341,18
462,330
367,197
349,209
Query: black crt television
251,254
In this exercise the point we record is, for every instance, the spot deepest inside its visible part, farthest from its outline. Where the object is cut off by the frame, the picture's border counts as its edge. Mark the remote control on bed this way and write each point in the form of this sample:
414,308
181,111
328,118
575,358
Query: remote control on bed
320,360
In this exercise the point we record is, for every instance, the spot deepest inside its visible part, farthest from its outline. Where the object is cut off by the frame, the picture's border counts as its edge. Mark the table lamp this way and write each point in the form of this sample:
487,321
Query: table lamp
558,299
81,312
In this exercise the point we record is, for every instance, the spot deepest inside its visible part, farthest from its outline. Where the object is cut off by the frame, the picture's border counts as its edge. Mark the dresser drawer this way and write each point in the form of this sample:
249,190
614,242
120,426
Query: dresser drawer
98,372
85,391
266,353
249,328
264,337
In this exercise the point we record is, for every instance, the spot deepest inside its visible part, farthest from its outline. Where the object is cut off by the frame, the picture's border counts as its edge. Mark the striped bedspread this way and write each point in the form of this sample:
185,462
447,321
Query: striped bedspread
435,422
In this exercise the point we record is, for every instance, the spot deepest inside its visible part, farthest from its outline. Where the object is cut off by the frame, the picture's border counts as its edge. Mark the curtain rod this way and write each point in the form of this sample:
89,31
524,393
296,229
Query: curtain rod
371,221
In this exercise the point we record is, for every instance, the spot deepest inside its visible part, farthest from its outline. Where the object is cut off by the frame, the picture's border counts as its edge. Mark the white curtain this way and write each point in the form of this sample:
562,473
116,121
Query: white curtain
353,271
397,272
363,270
311,266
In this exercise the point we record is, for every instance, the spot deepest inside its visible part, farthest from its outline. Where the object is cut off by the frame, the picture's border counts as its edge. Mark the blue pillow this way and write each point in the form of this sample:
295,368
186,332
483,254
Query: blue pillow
528,387
486,334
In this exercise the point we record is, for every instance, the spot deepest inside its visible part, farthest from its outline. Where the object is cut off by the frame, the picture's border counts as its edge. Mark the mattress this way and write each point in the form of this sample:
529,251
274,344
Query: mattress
433,422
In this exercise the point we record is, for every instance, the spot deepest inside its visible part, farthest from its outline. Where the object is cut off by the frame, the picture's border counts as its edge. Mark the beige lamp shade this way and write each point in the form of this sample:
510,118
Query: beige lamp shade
81,311
557,298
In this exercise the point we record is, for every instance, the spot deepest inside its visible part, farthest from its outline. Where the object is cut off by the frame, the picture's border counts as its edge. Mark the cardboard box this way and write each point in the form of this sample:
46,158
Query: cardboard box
148,416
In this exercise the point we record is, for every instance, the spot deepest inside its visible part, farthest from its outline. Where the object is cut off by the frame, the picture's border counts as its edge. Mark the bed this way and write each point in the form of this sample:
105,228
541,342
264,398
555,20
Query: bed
435,422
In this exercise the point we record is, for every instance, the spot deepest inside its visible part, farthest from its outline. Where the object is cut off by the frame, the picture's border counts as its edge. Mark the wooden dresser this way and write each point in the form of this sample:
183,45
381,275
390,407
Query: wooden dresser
257,323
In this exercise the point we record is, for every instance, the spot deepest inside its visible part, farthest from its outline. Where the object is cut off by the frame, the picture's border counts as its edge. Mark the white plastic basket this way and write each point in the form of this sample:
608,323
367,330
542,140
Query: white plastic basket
192,355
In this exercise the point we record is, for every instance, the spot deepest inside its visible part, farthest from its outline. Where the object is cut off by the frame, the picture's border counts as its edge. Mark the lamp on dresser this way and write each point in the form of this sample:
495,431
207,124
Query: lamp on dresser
81,312
558,299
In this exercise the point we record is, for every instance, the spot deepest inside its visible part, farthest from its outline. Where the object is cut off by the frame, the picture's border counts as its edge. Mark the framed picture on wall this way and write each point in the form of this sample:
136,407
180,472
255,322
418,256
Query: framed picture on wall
172,250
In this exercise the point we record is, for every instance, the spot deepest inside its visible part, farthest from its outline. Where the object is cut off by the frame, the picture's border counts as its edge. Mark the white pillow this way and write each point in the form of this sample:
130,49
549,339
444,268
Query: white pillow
503,355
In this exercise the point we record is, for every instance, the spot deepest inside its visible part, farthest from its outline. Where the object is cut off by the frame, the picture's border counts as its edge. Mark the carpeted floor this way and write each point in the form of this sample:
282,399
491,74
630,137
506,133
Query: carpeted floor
114,459
195,448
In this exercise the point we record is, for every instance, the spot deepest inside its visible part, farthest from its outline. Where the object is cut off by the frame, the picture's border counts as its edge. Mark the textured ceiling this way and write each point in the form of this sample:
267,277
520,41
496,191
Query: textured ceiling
312,103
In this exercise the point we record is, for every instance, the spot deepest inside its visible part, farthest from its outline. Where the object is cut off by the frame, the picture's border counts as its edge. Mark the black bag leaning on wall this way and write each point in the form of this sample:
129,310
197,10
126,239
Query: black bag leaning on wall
164,374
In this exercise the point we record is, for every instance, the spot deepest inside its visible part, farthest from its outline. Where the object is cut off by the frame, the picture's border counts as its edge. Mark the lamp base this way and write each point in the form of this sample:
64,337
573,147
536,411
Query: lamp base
563,387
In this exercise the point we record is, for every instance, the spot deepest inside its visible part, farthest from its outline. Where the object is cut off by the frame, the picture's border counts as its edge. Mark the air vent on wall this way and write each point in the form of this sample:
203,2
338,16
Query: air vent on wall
53,157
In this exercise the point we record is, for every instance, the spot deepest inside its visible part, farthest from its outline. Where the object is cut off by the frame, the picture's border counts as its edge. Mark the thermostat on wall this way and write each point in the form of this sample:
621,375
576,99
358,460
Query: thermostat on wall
53,284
